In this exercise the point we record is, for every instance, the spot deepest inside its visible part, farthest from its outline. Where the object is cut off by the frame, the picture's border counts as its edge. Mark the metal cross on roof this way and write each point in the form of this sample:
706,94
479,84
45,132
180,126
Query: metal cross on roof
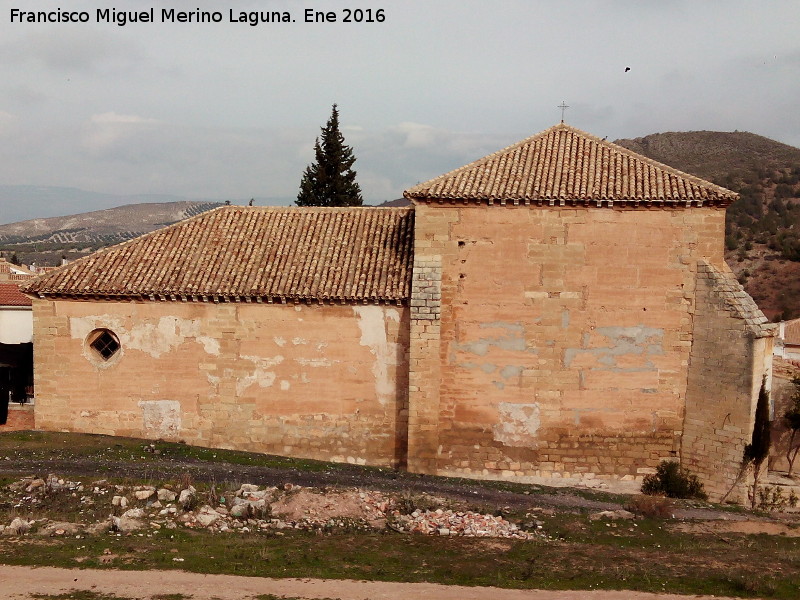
563,106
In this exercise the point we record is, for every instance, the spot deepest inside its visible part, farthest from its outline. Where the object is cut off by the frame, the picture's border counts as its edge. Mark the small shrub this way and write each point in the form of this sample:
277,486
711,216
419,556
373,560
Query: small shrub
771,498
673,481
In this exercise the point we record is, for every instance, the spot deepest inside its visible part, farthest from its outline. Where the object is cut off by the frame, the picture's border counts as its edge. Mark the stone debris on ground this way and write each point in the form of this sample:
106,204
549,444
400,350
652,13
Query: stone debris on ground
469,524
250,508
612,515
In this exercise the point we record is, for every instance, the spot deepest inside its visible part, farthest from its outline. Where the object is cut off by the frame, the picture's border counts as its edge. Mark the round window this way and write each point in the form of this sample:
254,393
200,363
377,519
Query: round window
103,344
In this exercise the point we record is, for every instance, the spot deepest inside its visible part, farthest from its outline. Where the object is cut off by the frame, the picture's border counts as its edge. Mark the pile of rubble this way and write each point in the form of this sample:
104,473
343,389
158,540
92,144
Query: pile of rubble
469,524
250,508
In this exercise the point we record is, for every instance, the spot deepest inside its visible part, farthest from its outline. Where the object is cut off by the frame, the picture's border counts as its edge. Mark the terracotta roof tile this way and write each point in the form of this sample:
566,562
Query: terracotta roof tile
566,165
238,253
11,296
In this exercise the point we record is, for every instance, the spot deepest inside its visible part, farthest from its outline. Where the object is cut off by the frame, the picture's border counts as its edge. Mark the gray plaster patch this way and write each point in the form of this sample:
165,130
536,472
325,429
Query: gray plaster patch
518,424
511,371
621,341
514,341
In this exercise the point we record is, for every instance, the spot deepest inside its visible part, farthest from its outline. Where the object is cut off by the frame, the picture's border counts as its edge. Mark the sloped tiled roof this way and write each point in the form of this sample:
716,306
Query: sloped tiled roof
11,296
564,165
236,253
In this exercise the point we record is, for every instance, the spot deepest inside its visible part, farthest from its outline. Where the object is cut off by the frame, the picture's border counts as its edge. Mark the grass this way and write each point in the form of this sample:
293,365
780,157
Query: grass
645,554
111,450
42,445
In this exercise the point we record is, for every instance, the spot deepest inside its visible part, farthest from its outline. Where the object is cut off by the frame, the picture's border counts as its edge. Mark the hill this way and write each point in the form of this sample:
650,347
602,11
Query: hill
714,155
45,241
25,202
762,237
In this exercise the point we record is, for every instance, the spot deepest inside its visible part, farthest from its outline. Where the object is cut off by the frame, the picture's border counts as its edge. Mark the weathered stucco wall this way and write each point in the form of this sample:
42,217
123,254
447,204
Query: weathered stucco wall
560,337
731,356
320,381
16,325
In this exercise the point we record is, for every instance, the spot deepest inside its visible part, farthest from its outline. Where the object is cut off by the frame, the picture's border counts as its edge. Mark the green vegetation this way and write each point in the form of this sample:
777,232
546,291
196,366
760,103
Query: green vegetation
643,556
575,552
330,180
757,451
767,212
673,481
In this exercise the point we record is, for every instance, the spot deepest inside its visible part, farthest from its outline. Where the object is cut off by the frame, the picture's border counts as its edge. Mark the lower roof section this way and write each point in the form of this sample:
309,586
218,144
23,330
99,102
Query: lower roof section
245,254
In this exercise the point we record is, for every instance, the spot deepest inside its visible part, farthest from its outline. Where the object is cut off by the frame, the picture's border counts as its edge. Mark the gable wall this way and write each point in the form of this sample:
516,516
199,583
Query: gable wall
561,337
325,382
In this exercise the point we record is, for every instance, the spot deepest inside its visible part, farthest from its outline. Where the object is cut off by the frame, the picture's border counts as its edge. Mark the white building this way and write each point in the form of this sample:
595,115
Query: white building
787,340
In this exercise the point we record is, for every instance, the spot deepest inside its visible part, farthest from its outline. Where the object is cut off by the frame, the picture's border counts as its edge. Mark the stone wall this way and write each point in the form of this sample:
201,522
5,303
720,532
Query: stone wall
731,356
563,337
319,381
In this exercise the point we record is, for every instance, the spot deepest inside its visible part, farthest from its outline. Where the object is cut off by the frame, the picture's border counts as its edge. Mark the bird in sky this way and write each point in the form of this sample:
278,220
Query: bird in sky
627,69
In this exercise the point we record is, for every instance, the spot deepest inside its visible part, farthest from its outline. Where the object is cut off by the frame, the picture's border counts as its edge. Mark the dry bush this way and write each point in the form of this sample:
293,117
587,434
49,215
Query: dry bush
655,507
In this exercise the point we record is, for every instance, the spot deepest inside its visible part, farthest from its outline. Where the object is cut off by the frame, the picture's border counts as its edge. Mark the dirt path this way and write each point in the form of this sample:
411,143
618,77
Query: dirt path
20,583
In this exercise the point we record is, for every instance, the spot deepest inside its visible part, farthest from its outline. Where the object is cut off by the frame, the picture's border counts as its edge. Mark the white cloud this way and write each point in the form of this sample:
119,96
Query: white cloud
232,111
114,118
115,135
7,121
74,49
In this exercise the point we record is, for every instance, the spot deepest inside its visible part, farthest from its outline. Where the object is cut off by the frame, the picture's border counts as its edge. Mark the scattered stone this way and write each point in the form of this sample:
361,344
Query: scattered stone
207,515
34,485
613,515
61,529
98,528
251,509
466,524
187,498
18,527
165,495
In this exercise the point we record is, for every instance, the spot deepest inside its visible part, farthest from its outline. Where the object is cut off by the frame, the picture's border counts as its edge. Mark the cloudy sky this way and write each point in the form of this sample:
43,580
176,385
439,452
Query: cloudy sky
228,110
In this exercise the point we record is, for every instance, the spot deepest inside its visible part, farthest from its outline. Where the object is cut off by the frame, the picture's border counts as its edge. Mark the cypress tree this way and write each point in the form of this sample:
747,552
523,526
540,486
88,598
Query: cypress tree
330,180
758,449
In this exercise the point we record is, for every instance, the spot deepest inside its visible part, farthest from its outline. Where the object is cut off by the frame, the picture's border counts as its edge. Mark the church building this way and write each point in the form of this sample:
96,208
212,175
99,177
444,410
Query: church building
558,309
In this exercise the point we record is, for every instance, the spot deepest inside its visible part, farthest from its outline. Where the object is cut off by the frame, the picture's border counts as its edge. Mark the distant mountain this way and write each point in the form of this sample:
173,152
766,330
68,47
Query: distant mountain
762,234
102,226
46,241
25,202
397,203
